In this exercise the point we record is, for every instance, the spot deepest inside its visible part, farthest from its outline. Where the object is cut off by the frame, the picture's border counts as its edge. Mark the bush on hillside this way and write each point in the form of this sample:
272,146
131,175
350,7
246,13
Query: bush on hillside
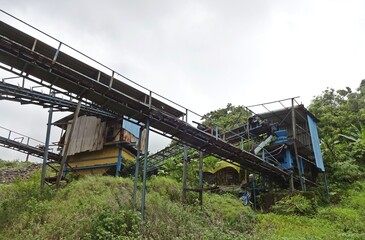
229,210
295,205
346,219
346,171
166,186
21,197
115,225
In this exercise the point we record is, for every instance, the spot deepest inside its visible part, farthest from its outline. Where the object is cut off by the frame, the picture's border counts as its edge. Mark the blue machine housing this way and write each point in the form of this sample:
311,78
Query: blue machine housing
281,136
286,138
285,157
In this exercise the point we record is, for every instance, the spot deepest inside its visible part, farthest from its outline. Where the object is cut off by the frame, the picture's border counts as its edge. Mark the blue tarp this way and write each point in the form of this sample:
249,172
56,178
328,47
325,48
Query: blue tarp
131,127
315,142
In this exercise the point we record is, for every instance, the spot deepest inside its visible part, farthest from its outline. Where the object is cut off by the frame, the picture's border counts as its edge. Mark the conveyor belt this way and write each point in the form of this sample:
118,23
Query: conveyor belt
27,96
27,149
22,52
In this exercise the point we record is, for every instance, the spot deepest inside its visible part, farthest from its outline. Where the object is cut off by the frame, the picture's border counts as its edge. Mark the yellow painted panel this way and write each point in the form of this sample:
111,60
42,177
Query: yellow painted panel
93,162
107,155
94,171
220,165
105,152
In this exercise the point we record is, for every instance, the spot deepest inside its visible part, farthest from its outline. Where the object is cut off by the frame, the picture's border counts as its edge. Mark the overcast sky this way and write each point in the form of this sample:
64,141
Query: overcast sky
204,54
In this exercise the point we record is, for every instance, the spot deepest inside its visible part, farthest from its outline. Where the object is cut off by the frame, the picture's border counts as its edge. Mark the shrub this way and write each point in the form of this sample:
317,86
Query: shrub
346,219
229,210
274,226
18,197
295,205
346,171
170,220
166,187
115,225
356,197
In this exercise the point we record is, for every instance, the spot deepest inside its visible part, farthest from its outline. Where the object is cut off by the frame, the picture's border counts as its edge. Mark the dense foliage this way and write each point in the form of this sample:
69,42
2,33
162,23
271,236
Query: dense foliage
226,118
342,132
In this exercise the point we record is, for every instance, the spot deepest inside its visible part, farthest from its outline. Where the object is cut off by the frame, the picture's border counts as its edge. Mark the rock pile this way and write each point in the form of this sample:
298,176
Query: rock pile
8,174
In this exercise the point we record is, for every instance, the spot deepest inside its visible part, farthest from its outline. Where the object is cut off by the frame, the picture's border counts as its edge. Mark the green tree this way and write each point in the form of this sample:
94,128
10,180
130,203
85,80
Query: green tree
226,118
341,128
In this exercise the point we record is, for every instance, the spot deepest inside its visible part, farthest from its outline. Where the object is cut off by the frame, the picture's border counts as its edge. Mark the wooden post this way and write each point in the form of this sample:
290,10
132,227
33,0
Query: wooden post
67,145
291,181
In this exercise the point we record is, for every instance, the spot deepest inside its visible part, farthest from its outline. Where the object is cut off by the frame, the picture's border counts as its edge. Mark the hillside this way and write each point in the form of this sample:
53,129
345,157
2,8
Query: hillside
96,207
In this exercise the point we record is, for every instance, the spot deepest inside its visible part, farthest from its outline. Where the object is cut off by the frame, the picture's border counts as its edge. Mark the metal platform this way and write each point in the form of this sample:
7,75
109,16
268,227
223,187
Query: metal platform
22,95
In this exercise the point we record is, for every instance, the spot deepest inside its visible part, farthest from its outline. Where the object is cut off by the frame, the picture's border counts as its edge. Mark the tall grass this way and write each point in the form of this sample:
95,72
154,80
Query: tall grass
96,207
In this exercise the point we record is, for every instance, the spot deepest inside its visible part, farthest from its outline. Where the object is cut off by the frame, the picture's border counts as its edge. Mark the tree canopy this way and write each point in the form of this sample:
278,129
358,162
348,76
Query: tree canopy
342,131
226,118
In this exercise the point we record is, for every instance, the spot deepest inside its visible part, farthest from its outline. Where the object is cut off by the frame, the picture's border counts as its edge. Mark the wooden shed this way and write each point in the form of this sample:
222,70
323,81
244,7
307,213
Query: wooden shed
98,146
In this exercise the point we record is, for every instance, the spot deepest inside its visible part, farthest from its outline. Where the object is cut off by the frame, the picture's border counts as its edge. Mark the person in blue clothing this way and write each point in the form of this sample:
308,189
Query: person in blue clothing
246,198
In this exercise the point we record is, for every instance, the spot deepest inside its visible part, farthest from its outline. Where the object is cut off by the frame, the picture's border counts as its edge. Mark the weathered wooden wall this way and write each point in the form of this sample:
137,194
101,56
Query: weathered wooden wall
88,135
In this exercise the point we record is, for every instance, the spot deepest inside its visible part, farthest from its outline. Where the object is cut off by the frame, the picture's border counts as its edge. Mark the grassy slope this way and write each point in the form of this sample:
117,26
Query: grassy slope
100,208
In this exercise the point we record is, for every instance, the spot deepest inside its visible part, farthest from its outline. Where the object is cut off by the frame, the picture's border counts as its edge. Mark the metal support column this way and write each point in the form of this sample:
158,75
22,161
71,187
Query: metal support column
243,171
216,133
119,162
56,54
46,146
136,169
301,162
254,190
65,150
185,169
300,175
145,168
184,177
120,148
201,179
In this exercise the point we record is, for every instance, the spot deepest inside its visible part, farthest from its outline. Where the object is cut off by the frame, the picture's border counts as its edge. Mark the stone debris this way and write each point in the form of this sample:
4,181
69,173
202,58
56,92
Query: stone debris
9,174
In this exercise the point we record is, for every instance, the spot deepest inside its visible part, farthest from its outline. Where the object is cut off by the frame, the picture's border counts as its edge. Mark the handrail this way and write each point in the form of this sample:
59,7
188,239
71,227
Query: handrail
27,137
